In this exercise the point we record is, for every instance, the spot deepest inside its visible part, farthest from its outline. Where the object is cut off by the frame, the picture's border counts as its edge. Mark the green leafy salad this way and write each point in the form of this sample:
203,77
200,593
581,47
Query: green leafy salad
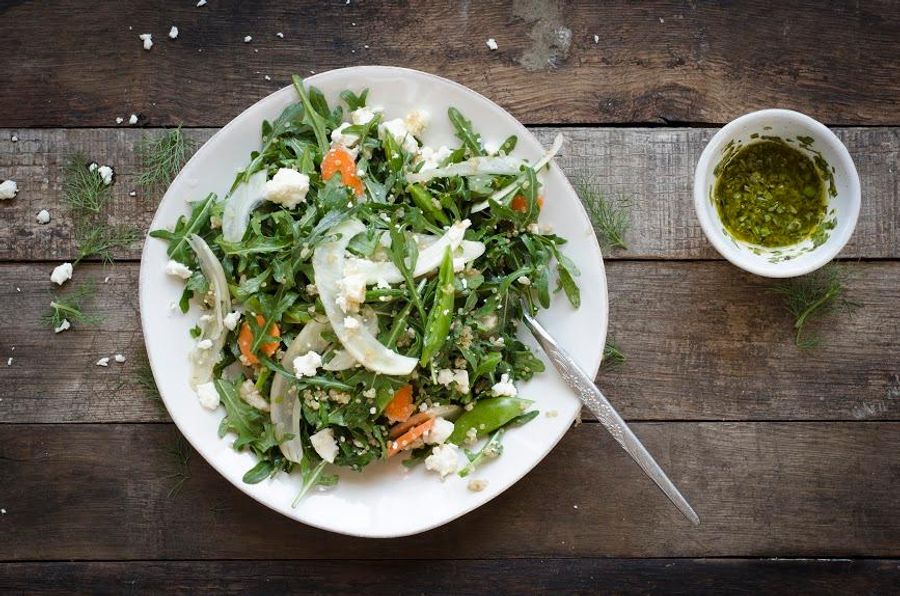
360,292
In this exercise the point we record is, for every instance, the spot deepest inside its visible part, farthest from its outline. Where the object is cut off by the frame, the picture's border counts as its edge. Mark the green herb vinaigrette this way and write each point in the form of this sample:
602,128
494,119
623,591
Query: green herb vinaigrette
769,193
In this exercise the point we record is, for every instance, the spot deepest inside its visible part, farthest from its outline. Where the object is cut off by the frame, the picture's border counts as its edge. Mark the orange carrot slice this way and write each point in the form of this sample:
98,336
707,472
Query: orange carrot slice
401,405
339,161
521,205
245,340
401,428
407,439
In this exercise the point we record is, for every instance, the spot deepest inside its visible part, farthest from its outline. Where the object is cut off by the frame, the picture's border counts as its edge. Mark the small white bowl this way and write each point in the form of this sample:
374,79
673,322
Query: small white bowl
843,206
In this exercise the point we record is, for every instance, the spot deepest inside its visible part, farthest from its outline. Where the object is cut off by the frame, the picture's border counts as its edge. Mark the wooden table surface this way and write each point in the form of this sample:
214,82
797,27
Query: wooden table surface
791,458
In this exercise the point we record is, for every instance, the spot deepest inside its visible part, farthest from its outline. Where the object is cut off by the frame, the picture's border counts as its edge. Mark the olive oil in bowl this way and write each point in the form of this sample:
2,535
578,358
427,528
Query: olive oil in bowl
769,193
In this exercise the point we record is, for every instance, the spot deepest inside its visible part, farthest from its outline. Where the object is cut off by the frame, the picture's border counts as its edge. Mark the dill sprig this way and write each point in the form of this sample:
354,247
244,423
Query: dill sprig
812,297
613,356
95,239
163,157
180,451
609,217
83,189
69,307
145,380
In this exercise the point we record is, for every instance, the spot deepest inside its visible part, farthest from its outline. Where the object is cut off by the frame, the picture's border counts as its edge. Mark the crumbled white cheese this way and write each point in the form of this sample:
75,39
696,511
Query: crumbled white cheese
352,323
119,119
204,344
432,158
43,216
247,39
9,361
351,290
460,377
176,269
133,119
397,129
279,35
439,432
324,444
208,396
444,459
346,140
119,358
103,361
416,121
201,3
250,394
363,115
477,485
524,280
61,274
504,387
287,187
491,44
62,326
147,38
306,365
596,39
231,320
133,193
14,139
8,190
106,174
491,147
173,32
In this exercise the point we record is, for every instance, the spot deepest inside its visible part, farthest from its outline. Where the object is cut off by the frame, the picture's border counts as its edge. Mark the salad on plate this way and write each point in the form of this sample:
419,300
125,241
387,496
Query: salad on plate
360,291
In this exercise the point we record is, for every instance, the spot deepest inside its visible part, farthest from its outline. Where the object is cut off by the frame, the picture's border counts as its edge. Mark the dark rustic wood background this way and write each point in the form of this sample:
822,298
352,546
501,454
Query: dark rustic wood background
791,458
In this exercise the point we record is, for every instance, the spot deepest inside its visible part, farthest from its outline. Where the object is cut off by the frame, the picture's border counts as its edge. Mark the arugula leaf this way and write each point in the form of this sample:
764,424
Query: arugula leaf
471,140
184,227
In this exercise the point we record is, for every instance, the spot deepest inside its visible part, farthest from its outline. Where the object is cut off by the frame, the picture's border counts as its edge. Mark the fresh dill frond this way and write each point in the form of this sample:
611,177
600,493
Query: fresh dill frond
812,297
613,356
83,189
145,380
163,157
96,239
609,217
180,451
70,307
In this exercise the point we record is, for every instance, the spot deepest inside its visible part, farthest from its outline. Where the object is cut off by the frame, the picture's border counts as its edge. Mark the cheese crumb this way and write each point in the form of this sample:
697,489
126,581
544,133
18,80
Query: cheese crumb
208,396
476,486
306,365
397,129
8,190
176,269
119,358
444,459
231,320
119,120
250,394
492,44
173,32
147,38
505,387
280,35
596,39
61,274
14,139
106,174
103,362
133,119
43,216
439,432
416,121
62,326
201,3
287,187
247,39
325,445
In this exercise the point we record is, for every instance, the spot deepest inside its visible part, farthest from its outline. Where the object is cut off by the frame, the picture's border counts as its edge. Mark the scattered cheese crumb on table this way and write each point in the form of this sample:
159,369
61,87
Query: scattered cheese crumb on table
119,358
147,38
133,119
492,44
8,190
247,39
103,361
173,32
43,216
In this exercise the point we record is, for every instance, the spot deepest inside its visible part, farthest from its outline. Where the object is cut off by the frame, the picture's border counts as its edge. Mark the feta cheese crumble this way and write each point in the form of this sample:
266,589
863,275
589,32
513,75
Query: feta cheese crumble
325,445
345,140
416,121
491,44
106,174
250,394
306,365
398,130
363,115
477,485
439,432
279,35
460,377
504,387
147,38
287,188
231,320
8,190
173,32
43,216
65,324
103,361
247,39
133,119
201,3
444,459
208,396
119,120
176,269
351,290
120,358
14,139
61,274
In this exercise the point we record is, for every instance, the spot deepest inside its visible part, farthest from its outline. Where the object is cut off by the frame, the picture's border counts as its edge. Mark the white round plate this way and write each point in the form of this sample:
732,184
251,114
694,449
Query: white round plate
385,499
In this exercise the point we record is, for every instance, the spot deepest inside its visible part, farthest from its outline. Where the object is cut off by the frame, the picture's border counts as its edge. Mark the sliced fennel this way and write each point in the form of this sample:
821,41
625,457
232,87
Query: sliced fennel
476,166
513,186
328,267
245,198
204,360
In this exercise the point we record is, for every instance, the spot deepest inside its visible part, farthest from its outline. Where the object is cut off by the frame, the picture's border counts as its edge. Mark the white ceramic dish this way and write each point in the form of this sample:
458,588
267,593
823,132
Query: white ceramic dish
385,499
843,207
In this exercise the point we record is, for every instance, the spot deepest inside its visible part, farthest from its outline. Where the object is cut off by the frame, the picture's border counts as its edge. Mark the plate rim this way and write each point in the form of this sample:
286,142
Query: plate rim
521,130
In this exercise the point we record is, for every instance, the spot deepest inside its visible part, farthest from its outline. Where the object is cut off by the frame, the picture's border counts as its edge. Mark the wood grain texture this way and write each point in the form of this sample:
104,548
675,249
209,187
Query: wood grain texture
703,341
458,577
654,168
761,489
660,62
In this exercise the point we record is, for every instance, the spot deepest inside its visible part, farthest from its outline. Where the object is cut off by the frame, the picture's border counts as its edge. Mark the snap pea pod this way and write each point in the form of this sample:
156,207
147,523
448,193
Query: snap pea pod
424,201
487,416
438,325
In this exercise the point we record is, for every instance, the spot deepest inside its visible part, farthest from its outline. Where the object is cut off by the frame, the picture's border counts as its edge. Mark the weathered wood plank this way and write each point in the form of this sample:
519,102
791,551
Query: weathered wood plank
518,576
703,341
654,167
659,62
761,489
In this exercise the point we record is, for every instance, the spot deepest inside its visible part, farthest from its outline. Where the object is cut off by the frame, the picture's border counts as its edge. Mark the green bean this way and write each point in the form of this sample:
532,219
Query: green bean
441,314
